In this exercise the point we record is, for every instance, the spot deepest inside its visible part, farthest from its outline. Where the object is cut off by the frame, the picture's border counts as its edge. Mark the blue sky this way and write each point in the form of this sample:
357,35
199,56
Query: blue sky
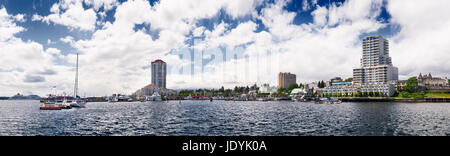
315,39
41,31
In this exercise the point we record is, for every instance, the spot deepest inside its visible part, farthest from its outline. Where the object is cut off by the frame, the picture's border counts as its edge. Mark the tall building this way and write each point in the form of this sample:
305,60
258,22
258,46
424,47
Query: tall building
376,64
159,72
285,79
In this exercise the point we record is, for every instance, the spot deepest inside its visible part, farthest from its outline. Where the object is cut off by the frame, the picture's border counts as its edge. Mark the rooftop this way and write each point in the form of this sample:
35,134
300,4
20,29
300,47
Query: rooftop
158,61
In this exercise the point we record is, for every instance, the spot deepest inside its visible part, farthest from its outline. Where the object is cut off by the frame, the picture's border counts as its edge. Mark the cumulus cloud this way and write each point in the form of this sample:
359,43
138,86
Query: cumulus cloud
47,71
72,14
118,45
115,58
7,25
422,43
20,18
67,39
106,4
36,17
24,63
33,79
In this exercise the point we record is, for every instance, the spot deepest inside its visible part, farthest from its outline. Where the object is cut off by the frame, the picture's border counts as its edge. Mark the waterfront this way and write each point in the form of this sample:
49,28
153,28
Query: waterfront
227,118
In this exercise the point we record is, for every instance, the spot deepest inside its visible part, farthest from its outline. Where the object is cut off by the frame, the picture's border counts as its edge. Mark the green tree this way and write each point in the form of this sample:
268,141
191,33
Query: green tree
292,86
321,84
411,85
349,79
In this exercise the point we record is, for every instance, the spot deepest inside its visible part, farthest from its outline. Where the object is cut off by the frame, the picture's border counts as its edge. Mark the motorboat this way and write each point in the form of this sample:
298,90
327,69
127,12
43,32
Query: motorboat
327,101
79,103
154,97
188,97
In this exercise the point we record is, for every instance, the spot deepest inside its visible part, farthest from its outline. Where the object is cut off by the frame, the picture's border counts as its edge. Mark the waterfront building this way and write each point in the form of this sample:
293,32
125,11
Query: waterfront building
353,90
150,89
299,92
267,89
286,79
342,83
401,84
333,80
429,80
376,76
376,64
432,84
159,73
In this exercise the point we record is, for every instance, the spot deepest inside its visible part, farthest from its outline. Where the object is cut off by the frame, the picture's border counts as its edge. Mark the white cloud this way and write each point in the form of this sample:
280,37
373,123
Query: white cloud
241,7
7,26
115,58
26,62
320,15
67,39
72,14
106,4
354,10
20,17
422,43
118,53
36,17
305,5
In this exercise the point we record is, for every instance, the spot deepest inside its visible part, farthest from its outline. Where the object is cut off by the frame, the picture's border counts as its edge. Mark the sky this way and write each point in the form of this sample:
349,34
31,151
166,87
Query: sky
209,43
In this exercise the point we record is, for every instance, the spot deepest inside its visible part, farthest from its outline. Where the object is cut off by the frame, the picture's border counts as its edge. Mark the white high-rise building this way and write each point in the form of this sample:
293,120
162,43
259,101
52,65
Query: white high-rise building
376,64
159,72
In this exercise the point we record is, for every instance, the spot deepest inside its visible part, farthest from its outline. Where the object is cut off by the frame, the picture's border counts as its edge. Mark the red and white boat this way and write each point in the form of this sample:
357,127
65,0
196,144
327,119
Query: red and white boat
50,106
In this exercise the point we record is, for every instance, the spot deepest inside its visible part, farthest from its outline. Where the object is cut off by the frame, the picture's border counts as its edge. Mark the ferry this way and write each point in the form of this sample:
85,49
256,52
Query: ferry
53,101
49,105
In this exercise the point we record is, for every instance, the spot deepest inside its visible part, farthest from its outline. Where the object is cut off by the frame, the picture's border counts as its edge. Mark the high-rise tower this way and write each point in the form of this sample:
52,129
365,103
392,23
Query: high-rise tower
376,64
159,72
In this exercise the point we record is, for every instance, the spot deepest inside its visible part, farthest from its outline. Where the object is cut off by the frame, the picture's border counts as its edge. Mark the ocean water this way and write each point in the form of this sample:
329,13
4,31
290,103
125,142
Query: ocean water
217,118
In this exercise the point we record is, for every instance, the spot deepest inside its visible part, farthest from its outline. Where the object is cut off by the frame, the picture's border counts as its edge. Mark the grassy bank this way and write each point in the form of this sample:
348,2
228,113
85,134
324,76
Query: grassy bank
438,95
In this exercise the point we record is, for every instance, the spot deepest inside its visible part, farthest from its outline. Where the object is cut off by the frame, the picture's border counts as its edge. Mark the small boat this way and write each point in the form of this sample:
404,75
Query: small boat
262,99
48,105
154,97
188,97
65,104
78,103
327,101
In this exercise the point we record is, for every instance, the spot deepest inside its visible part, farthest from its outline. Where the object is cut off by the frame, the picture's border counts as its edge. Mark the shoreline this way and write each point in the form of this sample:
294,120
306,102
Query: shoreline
390,99
343,99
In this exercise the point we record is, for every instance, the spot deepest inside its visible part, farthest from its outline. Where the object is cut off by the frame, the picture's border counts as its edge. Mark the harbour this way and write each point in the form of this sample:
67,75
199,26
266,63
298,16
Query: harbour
220,117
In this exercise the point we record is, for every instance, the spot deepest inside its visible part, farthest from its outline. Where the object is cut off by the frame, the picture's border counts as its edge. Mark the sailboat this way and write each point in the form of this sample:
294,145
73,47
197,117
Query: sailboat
77,102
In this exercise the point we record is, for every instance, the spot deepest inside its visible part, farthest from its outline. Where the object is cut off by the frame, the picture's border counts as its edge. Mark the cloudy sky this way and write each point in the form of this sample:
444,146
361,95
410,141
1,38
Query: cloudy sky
209,43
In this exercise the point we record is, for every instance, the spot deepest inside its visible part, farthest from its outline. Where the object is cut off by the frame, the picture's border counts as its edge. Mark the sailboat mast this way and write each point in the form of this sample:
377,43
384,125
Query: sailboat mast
75,91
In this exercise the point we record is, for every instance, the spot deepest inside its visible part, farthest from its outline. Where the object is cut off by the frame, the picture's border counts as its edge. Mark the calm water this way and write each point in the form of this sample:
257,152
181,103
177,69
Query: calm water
227,118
